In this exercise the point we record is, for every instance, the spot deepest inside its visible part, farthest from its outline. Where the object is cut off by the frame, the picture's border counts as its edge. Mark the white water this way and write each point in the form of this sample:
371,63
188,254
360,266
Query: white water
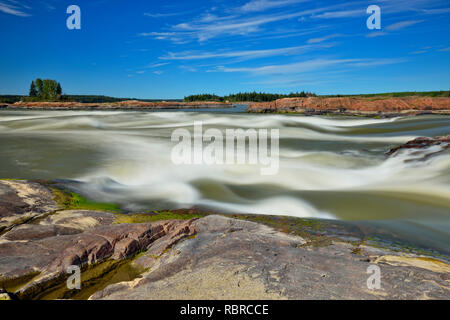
328,166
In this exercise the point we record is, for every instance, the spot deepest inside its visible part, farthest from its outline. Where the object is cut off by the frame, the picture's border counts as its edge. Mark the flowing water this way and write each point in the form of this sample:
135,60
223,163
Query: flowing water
330,167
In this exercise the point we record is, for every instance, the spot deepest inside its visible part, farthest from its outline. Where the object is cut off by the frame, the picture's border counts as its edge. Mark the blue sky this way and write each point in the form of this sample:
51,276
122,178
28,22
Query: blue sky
169,49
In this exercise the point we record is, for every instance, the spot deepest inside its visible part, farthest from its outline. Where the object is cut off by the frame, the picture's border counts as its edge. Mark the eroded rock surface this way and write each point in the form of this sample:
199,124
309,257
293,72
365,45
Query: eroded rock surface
23,200
214,257
234,259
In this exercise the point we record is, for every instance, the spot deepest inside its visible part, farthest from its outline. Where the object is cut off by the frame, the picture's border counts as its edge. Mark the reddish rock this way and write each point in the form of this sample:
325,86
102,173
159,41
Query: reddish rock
51,256
352,105
422,143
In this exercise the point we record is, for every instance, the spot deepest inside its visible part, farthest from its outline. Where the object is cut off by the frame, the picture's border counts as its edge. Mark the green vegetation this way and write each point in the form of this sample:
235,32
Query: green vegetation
45,90
156,216
266,97
247,96
10,98
14,284
72,201
94,278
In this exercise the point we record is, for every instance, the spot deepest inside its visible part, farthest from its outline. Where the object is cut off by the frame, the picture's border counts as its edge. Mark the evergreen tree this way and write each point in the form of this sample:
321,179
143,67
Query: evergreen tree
33,91
40,87
58,89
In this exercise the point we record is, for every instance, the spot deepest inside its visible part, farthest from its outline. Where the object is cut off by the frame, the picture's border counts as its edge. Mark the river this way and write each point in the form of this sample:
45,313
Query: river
329,167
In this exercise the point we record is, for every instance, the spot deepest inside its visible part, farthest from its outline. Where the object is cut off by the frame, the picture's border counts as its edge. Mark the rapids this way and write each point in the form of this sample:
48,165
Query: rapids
329,167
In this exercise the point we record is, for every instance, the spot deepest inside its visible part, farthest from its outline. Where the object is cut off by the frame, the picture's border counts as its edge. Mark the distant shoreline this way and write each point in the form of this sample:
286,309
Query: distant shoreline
352,106
123,105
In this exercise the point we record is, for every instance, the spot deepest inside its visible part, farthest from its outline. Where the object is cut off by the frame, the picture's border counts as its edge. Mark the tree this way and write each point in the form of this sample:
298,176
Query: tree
40,87
33,91
58,89
50,88
45,89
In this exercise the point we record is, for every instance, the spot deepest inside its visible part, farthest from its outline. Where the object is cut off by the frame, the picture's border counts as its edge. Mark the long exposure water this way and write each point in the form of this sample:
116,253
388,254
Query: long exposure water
330,167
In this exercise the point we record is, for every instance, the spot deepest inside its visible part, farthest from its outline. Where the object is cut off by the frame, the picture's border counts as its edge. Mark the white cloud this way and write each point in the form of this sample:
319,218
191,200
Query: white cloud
321,39
165,15
241,54
376,34
402,24
188,68
307,66
16,10
341,14
262,5
156,65
232,25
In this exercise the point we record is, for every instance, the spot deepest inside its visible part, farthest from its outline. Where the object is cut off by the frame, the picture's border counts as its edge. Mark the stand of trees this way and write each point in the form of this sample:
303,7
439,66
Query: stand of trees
45,90
247,96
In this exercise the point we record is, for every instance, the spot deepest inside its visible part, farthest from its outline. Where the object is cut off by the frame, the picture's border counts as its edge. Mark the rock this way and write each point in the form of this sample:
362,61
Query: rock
50,257
66,222
353,105
214,257
4,295
81,220
21,201
422,143
235,259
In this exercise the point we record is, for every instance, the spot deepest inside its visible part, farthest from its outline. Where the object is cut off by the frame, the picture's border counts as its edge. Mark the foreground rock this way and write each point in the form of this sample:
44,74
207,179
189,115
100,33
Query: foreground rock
234,259
213,257
40,256
123,105
356,106
21,201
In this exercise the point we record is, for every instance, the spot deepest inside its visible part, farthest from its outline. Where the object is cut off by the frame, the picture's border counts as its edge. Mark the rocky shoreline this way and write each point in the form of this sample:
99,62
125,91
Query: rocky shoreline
193,255
123,105
349,106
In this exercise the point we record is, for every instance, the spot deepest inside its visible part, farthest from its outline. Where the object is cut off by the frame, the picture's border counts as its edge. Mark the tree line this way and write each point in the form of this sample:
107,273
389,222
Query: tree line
45,90
247,96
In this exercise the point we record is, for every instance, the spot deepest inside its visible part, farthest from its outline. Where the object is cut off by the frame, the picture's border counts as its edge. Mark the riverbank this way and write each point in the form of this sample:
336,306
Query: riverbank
350,106
165,255
123,105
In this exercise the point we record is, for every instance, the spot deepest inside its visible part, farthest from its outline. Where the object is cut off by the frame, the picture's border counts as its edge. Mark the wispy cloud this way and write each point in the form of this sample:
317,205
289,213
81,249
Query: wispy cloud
341,14
242,54
255,17
165,15
307,66
231,25
156,65
15,9
376,34
393,27
324,38
402,24
188,68
262,5
435,11
445,49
